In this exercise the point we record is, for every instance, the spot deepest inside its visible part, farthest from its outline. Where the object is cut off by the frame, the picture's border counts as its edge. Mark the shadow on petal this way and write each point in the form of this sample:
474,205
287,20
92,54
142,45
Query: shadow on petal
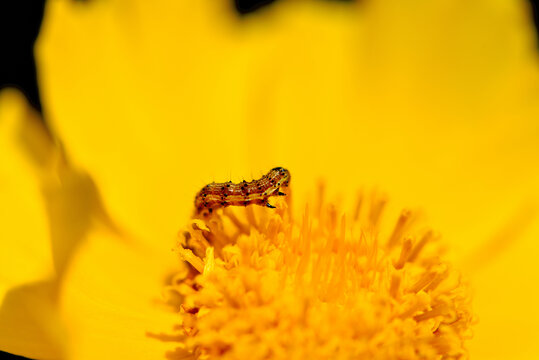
35,330
111,299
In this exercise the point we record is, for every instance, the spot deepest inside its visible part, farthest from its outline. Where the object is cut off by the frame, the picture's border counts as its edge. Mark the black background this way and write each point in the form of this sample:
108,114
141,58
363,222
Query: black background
20,21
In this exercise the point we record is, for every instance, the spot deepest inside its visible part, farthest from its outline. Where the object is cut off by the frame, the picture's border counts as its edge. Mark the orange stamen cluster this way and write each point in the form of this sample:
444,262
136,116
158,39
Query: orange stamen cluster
263,286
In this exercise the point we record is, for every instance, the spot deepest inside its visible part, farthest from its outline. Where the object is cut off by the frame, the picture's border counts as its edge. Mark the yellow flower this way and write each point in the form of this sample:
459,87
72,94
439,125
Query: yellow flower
434,102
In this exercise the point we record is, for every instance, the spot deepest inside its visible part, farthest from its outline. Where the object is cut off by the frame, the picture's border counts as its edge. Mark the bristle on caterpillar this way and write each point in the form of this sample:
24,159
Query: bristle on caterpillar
220,195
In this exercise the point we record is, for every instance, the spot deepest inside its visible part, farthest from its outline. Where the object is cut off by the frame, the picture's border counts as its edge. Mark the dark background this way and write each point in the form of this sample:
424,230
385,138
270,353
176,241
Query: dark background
20,21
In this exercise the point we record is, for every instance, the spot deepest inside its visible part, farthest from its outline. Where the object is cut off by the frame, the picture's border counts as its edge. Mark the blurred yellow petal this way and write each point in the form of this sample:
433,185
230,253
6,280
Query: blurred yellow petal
48,207
148,137
25,254
505,299
27,324
111,300
308,85
419,100
73,206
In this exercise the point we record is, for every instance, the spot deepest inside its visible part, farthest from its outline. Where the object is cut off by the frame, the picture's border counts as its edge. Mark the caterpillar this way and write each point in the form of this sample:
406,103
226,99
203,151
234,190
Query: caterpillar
220,195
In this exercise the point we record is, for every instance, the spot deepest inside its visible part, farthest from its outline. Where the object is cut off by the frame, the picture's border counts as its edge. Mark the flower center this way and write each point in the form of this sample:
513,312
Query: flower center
264,285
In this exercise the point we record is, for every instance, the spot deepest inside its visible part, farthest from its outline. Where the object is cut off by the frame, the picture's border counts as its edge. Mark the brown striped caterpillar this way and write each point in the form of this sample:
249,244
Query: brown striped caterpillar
219,195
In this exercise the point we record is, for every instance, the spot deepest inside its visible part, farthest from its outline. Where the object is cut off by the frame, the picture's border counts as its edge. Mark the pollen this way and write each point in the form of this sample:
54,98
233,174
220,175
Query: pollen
263,284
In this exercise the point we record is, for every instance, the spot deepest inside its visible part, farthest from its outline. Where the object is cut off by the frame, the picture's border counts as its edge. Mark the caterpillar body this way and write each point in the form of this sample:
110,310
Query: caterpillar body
220,195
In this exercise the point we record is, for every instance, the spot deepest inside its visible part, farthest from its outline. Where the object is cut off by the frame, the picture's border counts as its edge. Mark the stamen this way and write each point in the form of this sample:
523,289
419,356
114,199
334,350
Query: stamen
195,261
376,209
395,284
249,210
327,285
437,311
359,205
399,228
244,229
419,246
405,253
423,281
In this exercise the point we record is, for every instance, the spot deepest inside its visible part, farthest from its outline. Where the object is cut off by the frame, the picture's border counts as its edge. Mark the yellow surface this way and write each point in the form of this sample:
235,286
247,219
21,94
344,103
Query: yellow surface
27,323
25,254
113,307
434,103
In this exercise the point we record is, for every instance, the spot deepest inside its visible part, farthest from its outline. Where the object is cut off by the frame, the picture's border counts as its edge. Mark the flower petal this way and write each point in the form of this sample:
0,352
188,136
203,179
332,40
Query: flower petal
389,97
504,293
110,300
141,126
29,323
25,253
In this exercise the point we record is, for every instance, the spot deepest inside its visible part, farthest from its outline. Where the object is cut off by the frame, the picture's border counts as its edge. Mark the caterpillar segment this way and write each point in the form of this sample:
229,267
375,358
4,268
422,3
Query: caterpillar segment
257,192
